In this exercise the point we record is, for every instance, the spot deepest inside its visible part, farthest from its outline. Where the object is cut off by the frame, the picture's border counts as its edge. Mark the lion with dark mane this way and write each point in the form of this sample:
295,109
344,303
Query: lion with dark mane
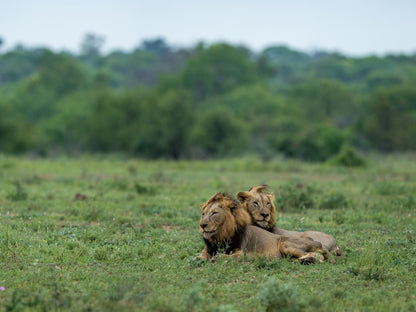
225,225
262,211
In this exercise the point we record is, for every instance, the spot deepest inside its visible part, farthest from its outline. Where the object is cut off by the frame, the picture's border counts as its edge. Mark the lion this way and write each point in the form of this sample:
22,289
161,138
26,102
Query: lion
225,225
262,211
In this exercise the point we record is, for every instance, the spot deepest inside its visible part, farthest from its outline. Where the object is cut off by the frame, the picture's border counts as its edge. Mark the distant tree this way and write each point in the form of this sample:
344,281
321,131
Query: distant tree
133,69
91,47
156,46
57,75
382,79
323,99
165,126
61,73
316,142
142,67
112,121
282,62
330,66
255,104
284,54
217,69
205,101
14,132
18,64
390,119
219,133
102,79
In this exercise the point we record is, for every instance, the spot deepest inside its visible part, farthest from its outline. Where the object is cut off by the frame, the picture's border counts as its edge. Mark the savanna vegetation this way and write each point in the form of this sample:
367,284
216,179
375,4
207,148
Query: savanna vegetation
206,101
168,128
88,234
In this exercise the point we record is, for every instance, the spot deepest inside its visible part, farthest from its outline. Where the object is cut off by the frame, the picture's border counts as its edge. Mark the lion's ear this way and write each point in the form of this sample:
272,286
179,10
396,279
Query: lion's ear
258,188
271,196
218,197
243,196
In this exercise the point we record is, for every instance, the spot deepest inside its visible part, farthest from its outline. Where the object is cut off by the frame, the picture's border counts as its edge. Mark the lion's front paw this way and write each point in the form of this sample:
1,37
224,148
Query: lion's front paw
213,258
307,259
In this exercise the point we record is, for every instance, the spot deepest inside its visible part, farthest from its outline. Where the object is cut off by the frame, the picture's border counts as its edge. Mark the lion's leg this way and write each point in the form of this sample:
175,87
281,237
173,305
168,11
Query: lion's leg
305,253
234,254
204,255
297,253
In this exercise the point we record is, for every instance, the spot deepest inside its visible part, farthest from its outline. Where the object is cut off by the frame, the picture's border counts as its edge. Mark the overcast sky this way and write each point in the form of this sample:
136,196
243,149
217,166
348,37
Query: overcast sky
353,27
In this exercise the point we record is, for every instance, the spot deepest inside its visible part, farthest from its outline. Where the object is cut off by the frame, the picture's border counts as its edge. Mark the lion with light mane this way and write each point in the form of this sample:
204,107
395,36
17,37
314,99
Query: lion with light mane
225,225
262,211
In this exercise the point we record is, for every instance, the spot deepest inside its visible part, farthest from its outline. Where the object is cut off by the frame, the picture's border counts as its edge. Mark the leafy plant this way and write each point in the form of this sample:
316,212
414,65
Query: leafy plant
295,197
348,157
19,193
333,200
276,296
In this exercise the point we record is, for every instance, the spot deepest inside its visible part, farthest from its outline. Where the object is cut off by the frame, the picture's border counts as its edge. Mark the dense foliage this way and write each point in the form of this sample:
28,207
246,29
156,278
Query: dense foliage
205,101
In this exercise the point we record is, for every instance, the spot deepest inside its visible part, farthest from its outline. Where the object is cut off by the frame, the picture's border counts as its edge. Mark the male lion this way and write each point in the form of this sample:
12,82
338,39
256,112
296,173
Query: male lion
263,214
226,225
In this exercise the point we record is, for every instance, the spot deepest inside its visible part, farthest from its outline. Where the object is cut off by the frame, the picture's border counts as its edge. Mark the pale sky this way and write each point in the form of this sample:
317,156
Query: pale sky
353,27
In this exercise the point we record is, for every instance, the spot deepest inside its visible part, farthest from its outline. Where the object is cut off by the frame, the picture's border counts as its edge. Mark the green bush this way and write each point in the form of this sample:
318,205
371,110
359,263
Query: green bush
333,200
19,192
314,143
219,133
348,157
279,297
295,197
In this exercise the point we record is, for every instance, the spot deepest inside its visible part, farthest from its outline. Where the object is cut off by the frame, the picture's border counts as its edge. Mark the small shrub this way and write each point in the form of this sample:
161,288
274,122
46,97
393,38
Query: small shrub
277,296
119,184
338,217
407,202
376,274
141,189
295,197
19,192
102,253
348,157
192,298
387,188
161,177
264,263
314,143
333,200
226,308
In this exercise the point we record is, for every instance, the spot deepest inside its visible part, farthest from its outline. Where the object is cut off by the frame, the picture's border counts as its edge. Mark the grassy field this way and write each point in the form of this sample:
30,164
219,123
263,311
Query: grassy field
102,234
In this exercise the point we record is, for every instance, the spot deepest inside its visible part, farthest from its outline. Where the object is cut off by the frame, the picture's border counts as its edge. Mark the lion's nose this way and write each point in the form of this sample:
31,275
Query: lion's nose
203,225
265,215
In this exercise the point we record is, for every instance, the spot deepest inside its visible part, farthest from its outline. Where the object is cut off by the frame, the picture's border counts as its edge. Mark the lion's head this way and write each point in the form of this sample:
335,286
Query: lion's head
222,216
259,205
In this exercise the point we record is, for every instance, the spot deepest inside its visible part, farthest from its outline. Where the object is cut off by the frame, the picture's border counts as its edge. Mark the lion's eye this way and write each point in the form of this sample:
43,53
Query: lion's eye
213,213
256,204
268,204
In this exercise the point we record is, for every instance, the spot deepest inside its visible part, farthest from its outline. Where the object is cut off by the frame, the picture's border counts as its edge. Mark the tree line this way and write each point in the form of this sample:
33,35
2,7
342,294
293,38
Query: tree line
204,101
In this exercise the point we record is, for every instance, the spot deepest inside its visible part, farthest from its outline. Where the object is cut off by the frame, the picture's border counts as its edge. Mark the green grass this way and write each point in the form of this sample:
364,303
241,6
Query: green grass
110,234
